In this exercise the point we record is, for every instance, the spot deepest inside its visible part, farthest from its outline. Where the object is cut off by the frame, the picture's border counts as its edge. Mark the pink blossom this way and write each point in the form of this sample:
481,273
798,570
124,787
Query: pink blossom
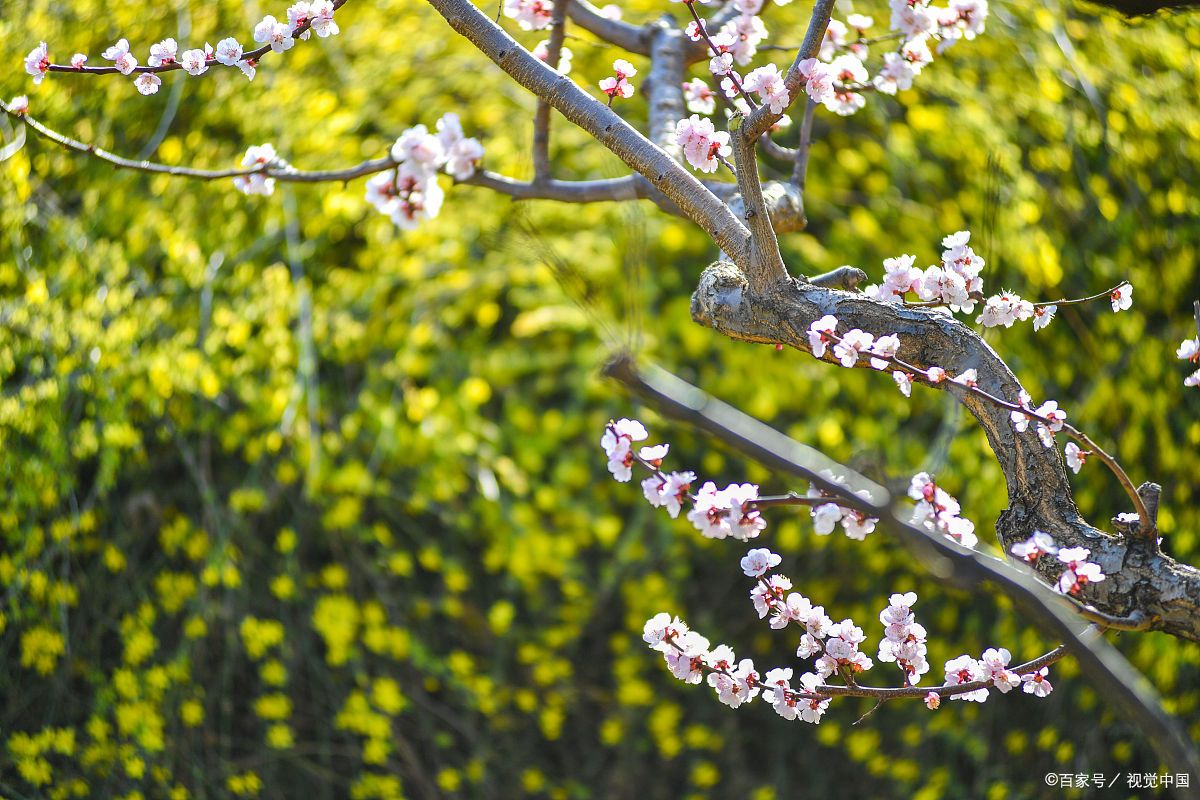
1079,572
660,629
700,99
965,669
195,62
257,183
461,153
1033,548
1035,683
852,343
759,561
1075,456
818,79
163,53
38,62
619,85
702,143
617,443
741,36
885,347
1043,316
228,52
323,24
275,33
122,59
1122,297
768,83
147,83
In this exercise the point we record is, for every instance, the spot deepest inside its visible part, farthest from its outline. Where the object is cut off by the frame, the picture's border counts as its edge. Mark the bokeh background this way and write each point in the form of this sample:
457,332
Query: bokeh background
299,504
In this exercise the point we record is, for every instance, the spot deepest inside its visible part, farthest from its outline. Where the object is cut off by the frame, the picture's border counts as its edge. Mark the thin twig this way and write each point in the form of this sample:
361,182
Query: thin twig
1081,299
251,57
716,51
591,191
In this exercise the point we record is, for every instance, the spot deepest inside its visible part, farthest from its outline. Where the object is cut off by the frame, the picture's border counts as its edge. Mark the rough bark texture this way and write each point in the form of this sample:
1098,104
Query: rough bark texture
1140,576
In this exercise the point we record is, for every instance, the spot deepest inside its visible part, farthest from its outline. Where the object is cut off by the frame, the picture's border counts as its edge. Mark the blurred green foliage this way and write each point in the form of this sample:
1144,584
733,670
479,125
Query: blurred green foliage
297,503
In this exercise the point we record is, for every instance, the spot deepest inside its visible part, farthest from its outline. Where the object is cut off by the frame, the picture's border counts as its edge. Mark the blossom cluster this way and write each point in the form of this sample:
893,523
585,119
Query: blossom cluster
853,345
262,155
716,513
1077,572
703,145
903,638
303,19
617,84
410,193
938,510
1189,350
531,15
1053,419
736,43
826,516
838,76
957,284
992,668
835,647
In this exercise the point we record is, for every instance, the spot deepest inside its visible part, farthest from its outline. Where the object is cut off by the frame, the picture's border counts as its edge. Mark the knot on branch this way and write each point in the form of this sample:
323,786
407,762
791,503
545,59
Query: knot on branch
720,297
1150,494
784,204
848,278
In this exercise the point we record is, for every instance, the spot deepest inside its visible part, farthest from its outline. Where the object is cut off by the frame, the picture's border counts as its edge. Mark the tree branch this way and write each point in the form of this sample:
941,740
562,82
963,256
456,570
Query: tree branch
766,264
664,84
1111,675
663,172
251,56
614,31
630,187
800,172
763,118
1140,576
541,117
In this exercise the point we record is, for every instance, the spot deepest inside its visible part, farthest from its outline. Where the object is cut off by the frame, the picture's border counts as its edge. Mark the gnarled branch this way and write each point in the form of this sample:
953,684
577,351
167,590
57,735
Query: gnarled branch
1140,576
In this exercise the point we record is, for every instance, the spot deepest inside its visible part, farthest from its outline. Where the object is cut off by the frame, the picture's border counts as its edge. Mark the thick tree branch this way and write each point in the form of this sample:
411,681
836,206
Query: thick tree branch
1140,577
663,172
614,31
841,278
1110,674
664,84
1139,8
766,264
